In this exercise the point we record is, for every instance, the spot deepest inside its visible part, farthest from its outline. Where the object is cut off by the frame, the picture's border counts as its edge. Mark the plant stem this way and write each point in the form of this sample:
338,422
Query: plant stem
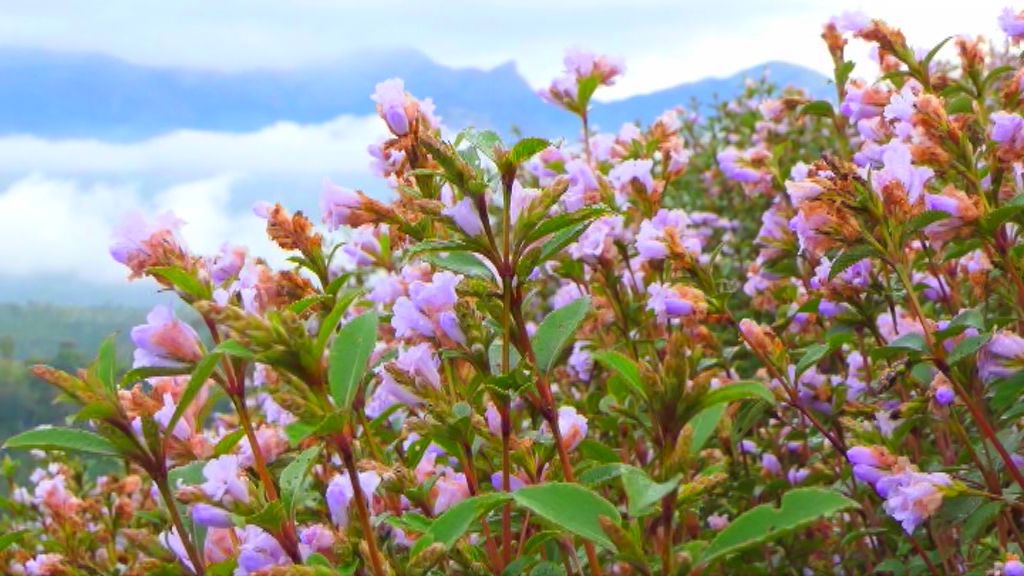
179,526
362,507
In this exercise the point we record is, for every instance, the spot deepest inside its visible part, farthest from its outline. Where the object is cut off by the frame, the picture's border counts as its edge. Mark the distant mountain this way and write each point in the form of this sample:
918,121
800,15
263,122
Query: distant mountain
60,95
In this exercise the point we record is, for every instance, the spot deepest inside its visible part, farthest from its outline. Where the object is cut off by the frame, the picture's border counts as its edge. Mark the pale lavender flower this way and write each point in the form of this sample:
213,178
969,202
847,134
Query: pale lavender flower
897,167
1007,128
165,341
911,497
623,175
337,205
363,247
770,464
172,541
1002,356
573,427
851,21
223,480
1012,23
182,431
340,494
450,489
466,216
581,363
718,522
258,550
227,263
514,482
211,516
1013,567
421,364
493,418
136,237
315,538
735,165
797,475
566,294
671,302
598,238
581,182
393,105
667,229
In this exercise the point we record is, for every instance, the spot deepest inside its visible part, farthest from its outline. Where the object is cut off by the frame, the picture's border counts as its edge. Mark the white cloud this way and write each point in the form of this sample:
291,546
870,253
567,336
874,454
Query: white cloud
283,148
60,226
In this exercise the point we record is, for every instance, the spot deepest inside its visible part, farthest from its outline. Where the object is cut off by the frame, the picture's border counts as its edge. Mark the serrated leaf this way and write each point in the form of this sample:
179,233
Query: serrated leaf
66,439
556,330
848,258
349,356
570,507
764,523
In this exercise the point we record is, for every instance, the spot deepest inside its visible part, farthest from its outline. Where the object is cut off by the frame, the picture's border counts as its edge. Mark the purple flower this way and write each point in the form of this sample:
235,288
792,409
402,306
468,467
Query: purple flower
137,241
1007,128
566,294
1012,24
911,497
315,538
227,263
165,341
944,395
514,482
736,166
429,309
581,182
860,102
450,488
337,205
667,230
770,464
897,167
598,238
522,198
362,248
340,494
465,215
580,361
421,364
629,171
1001,357
438,295
223,480
182,431
393,105
851,21
801,191
211,516
573,427
671,302
797,475
493,418
258,550
718,522
1013,567
172,541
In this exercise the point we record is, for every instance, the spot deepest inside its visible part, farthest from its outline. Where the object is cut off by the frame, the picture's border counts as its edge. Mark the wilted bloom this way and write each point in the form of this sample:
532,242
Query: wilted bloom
223,480
340,494
140,244
1002,356
760,338
677,301
164,340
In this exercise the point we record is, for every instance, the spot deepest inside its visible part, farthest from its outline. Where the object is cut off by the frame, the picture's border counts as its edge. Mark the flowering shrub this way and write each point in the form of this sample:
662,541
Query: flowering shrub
781,338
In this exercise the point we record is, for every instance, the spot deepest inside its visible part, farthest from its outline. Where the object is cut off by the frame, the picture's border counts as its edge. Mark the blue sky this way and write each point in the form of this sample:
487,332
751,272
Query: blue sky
59,199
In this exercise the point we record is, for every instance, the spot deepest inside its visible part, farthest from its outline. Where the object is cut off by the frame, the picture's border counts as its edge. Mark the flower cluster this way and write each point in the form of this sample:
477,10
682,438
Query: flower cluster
784,335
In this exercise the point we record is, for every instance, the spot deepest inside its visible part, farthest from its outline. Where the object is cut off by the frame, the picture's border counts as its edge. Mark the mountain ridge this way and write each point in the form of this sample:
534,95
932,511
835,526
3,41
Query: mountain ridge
79,95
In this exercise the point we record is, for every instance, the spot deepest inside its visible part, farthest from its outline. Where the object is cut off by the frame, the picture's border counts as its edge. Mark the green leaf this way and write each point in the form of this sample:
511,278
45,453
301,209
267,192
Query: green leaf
486,141
623,366
556,330
294,474
527,148
811,357
104,368
67,439
642,493
236,349
202,372
848,258
270,518
190,474
704,424
461,262
329,323
822,108
457,520
967,348
228,442
960,105
925,219
552,246
349,356
764,523
10,538
494,357
183,281
743,390
564,220
570,507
